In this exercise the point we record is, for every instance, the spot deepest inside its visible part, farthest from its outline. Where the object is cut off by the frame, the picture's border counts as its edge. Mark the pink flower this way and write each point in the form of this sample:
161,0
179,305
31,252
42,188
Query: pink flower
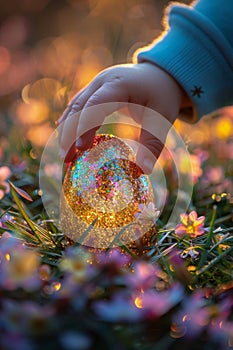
196,167
215,175
143,276
5,172
190,225
155,304
114,257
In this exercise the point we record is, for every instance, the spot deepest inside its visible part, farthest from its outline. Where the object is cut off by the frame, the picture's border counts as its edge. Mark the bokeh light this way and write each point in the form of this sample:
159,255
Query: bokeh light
49,50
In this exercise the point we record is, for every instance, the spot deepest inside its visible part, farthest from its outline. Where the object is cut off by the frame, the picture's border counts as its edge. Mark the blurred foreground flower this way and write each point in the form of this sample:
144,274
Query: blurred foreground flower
119,309
4,219
190,164
155,304
143,277
147,213
114,257
27,317
197,315
5,173
19,265
191,225
13,340
77,265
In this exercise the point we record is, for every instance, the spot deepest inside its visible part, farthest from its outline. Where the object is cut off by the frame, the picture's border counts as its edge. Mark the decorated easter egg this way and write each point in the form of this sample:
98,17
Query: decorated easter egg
102,192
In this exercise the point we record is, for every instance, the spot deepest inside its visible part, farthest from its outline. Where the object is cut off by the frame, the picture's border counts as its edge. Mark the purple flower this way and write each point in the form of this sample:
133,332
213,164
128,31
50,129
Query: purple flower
6,217
119,309
190,251
26,317
197,314
8,242
155,304
143,276
12,341
222,331
114,257
193,316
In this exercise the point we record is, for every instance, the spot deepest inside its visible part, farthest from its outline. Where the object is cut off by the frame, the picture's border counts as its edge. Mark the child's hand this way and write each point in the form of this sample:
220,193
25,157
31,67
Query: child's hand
143,84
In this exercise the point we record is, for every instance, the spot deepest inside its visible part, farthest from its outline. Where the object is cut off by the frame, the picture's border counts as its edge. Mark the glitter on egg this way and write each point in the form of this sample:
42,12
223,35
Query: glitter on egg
103,187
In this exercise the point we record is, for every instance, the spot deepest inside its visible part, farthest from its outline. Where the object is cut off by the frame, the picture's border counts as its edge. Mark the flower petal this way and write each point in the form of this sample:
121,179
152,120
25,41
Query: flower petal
193,216
197,233
199,221
141,207
5,172
151,206
184,219
180,230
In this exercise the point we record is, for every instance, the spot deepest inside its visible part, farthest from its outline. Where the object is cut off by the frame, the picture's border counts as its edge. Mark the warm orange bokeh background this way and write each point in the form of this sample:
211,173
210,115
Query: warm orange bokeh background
50,49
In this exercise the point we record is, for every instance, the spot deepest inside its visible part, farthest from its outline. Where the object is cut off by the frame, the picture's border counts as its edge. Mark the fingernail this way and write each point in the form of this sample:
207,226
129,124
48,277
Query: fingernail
79,142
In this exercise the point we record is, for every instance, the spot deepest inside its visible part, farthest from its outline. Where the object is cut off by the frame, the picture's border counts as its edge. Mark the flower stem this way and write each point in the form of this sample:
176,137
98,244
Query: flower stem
208,239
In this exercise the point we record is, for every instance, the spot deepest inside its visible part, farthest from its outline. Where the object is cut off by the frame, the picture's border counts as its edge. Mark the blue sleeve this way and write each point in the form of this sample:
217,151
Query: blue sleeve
197,50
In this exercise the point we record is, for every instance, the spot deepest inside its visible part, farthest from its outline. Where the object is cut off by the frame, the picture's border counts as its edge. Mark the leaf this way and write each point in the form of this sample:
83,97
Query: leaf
213,262
208,239
21,192
118,236
22,232
126,249
21,208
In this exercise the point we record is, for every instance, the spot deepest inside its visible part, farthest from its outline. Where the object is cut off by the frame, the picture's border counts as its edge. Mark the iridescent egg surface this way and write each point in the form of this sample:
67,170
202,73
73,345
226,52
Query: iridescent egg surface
102,190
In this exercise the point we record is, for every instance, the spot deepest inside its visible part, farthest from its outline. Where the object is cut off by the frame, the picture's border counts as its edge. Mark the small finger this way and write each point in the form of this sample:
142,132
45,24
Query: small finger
78,102
102,103
69,121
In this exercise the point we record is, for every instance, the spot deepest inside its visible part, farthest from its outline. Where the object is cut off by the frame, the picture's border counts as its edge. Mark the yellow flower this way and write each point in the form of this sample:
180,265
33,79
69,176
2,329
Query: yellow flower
190,225
221,240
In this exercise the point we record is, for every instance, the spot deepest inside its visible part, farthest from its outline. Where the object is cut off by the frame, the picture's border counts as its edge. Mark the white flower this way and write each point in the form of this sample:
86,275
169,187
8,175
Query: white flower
147,213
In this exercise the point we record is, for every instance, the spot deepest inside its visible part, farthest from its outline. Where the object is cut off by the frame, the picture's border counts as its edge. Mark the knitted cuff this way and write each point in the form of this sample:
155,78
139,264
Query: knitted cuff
198,56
